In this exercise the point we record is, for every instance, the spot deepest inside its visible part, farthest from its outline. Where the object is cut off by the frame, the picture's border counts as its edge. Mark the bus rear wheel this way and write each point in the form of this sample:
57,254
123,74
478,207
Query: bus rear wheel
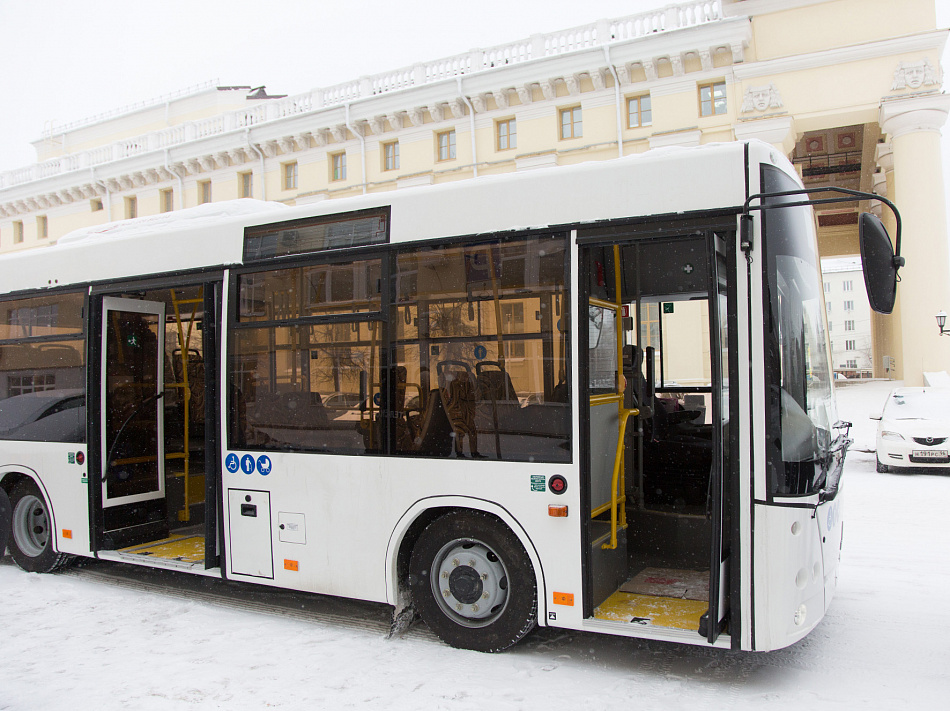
473,583
31,536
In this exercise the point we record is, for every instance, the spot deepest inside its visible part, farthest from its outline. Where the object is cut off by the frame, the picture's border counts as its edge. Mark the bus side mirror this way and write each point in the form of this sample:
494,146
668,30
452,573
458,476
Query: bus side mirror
879,262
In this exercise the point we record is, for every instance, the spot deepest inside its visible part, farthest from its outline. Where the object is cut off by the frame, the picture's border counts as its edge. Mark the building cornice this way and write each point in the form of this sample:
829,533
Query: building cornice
731,8
925,42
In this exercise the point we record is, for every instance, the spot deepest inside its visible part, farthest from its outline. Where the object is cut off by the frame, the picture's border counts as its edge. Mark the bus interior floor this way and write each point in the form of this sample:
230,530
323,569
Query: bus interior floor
661,597
185,546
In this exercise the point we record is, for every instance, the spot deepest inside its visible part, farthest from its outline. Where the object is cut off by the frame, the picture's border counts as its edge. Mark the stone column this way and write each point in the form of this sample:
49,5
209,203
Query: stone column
913,128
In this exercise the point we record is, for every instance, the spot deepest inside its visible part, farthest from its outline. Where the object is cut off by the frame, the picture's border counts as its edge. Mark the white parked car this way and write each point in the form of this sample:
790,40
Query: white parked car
914,429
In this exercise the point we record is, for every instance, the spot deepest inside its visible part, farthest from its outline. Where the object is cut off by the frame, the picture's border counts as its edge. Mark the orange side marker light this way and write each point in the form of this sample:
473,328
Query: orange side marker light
291,565
557,511
67,533
561,598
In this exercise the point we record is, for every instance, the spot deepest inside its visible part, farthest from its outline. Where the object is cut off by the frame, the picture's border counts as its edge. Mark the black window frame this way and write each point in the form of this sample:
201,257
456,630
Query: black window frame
388,254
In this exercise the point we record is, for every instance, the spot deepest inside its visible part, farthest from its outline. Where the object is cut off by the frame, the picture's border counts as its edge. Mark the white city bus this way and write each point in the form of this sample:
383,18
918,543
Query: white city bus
594,397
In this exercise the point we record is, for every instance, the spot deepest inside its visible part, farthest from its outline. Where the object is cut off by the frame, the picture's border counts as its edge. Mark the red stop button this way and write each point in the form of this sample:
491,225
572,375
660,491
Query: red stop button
557,484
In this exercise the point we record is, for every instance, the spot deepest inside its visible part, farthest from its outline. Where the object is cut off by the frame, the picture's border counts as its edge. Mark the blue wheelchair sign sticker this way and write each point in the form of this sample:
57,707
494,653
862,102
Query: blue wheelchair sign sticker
377,399
232,463
247,464
264,465
481,352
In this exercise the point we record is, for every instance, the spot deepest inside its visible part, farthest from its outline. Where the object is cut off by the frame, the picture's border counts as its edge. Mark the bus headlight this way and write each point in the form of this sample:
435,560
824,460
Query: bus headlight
800,614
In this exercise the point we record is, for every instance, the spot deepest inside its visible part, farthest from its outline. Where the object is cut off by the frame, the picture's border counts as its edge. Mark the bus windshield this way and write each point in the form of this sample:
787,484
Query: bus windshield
801,405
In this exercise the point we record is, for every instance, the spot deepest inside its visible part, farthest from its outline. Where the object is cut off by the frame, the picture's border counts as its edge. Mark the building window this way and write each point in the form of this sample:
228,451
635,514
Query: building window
571,124
290,175
827,287
712,99
446,141
246,181
204,192
391,156
42,227
17,232
849,325
828,308
131,208
167,200
506,135
338,166
639,111
847,285
851,364
26,384
849,306
849,345
95,204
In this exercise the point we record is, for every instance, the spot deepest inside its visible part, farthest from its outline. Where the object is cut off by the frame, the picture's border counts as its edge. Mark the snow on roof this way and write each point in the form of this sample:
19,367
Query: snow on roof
191,217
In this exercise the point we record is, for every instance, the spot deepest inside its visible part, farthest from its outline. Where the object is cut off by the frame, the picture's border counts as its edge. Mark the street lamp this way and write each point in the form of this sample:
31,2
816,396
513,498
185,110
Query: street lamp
941,320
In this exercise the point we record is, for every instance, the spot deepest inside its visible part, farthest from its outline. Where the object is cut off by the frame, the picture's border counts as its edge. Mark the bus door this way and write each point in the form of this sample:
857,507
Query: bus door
132,433
657,429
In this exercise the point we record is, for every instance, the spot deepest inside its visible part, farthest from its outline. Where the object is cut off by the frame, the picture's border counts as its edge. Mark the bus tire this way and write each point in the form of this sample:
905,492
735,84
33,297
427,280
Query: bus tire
31,536
473,583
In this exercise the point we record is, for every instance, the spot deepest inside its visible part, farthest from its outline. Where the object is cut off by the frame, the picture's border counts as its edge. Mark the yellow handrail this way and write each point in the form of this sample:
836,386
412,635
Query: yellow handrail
618,500
618,496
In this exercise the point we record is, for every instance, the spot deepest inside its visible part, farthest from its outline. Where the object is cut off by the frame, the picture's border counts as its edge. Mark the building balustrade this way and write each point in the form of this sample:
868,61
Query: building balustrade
538,46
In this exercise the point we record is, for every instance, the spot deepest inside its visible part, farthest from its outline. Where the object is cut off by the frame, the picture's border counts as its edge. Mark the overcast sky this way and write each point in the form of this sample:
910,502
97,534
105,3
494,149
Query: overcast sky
78,59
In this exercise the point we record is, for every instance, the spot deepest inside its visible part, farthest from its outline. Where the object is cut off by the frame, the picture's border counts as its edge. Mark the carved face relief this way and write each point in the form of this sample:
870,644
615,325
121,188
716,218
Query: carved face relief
913,75
761,98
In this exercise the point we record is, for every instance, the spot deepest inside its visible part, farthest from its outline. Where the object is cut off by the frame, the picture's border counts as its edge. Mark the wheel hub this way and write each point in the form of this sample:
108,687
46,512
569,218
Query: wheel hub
465,584
30,526
471,583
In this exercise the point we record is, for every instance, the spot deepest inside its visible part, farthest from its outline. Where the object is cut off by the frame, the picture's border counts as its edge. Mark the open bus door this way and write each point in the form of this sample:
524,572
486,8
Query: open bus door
657,461
131,422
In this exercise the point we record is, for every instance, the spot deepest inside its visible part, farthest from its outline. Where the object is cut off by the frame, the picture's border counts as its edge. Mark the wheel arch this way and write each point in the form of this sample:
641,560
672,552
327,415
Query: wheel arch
11,475
421,514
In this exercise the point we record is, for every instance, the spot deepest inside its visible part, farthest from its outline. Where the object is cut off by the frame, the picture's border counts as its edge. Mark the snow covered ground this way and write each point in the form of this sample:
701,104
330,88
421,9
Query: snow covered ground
70,641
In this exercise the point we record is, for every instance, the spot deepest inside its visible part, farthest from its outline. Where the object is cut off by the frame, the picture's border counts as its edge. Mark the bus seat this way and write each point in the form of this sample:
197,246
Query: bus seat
494,384
435,435
458,395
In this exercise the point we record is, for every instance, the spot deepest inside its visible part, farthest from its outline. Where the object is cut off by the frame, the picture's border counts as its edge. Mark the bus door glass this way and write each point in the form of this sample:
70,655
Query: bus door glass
133,334
657,497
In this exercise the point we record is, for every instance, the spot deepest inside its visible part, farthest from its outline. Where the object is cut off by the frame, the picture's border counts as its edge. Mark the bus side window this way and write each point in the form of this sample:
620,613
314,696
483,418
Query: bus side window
480,333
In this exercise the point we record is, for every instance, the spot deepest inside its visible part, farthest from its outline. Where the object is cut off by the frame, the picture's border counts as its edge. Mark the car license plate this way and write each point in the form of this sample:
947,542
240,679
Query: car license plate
930,453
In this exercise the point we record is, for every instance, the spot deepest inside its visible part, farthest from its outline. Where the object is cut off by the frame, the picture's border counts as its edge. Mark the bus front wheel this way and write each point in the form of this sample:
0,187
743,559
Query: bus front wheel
31,537
473,583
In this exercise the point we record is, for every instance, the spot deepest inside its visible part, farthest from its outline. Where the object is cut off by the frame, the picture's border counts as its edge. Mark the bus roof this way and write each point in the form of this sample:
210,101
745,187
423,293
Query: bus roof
658,182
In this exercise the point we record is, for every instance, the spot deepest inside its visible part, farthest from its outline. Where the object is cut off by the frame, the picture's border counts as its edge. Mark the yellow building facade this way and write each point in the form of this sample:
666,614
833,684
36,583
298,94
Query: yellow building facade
849,90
